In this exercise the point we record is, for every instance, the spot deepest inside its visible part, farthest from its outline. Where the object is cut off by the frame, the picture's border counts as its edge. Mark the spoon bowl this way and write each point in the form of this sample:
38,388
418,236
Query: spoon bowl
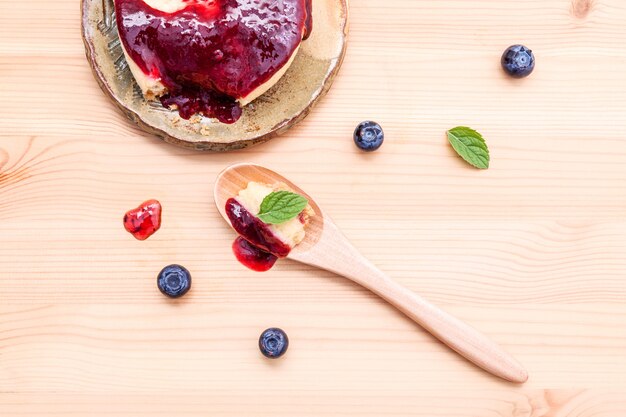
236,177
325,247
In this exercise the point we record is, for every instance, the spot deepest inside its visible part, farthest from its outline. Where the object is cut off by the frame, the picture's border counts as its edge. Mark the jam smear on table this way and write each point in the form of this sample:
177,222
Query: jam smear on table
143,221
252,229
252,256
212,51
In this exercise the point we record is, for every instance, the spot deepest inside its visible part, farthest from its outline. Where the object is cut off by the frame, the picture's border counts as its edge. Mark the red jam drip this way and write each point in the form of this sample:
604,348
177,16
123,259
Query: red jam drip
143,221
254,230
212,52
207,102
252,256
308,24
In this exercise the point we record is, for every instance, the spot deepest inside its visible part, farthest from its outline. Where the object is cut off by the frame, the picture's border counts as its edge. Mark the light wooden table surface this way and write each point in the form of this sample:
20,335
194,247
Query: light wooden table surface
532,251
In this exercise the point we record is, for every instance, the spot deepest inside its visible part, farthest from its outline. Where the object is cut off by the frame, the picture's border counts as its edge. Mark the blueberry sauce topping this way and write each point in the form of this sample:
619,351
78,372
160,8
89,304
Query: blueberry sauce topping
212,52
143,221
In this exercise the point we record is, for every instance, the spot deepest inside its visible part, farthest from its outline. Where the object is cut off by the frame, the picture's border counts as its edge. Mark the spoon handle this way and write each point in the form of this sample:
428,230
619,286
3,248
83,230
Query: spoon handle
335,253
459,336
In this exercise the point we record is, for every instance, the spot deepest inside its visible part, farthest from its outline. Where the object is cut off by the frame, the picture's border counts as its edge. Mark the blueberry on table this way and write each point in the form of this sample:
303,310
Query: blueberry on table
518,61
174,281
368,136
273,343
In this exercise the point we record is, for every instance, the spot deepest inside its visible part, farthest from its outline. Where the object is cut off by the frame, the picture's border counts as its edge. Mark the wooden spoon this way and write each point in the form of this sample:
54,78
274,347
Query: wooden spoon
326,247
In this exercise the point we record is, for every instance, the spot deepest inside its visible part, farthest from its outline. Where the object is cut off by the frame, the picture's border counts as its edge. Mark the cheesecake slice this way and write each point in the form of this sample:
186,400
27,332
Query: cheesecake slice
210,57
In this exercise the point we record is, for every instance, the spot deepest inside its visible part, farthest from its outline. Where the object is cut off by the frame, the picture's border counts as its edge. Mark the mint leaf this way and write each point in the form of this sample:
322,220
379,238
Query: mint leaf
470,145
281,206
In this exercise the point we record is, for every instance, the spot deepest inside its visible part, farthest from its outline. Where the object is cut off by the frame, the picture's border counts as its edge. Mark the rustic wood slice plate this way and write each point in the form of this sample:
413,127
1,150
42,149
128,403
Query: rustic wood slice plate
285,104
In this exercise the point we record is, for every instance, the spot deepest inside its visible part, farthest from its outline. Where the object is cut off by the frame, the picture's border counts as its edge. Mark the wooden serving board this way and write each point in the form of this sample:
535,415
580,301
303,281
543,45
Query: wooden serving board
532,251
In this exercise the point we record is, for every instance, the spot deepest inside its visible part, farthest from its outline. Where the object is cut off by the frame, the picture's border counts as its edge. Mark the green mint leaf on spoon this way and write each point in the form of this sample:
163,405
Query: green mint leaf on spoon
281,206
470,146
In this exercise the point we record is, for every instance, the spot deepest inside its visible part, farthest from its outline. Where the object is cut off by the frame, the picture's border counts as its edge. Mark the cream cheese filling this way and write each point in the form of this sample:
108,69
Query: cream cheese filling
291,232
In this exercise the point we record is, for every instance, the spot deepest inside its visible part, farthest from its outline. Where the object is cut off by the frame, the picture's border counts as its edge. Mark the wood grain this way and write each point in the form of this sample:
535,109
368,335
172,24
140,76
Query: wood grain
532,251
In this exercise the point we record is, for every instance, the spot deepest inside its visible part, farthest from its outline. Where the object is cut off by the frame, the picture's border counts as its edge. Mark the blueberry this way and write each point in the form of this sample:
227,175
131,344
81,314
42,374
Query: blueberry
368,136
273,343
174,281
518,61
